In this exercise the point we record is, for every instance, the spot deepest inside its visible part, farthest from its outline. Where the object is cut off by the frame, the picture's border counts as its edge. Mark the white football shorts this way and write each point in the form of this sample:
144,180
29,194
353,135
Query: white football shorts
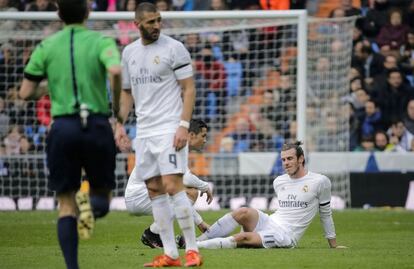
157,156
271,233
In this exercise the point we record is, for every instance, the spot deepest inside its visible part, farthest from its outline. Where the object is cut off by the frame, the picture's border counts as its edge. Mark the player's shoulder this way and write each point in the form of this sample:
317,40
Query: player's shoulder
318,177
170,42
130,48
280,179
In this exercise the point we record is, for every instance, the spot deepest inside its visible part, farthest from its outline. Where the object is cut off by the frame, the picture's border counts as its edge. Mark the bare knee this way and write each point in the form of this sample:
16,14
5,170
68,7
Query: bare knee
67,204
241,215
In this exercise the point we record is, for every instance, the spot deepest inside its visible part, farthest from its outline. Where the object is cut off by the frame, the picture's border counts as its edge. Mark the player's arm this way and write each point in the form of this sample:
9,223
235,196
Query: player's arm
125,105
192,181
325,213
34,73
188,93
110,57
183,71
27,89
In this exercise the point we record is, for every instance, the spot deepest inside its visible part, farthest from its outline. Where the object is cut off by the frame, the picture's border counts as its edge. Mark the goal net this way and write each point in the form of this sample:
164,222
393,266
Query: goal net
262,78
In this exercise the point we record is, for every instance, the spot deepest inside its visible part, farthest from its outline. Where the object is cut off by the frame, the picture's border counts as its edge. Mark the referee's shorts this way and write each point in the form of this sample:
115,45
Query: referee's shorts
70,148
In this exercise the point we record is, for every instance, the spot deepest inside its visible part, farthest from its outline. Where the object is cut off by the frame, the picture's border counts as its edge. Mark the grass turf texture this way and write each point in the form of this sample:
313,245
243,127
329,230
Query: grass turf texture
376,239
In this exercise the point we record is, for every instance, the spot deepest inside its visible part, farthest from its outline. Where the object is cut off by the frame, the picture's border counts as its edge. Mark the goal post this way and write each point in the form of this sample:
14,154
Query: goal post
262,77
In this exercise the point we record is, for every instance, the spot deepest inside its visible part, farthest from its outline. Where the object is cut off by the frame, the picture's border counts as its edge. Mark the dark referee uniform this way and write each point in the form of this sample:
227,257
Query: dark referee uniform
75,61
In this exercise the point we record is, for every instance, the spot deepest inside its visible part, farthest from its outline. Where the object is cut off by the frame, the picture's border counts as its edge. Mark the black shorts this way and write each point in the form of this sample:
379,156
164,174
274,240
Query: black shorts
70,148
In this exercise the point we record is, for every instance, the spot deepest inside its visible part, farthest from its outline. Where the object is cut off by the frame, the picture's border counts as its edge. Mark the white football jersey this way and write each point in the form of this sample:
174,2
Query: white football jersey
151,72
299,201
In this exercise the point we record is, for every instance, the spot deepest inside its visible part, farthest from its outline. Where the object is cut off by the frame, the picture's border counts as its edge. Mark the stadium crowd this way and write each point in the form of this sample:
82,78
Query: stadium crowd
245,78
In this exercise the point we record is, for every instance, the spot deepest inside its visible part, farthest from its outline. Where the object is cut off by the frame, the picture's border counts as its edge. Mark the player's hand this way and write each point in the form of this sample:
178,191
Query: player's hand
180,138
121,138
209,194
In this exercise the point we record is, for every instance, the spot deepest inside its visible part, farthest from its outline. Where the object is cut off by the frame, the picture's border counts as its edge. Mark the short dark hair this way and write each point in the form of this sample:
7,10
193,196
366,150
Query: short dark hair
394,70
144,7
73,11
297,146
196,126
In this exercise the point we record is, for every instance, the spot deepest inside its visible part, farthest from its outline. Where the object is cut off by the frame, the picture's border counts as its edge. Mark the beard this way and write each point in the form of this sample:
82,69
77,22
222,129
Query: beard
149,36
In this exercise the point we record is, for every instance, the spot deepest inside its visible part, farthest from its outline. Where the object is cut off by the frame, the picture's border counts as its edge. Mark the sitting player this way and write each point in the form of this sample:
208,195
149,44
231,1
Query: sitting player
138,202
301,194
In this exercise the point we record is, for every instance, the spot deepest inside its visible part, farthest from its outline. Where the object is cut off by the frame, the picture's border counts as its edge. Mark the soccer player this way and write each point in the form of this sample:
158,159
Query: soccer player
138,202
76,62
301,194
158,78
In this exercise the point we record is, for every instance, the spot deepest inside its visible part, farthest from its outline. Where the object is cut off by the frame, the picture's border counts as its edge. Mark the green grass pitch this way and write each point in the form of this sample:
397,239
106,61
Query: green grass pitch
376,239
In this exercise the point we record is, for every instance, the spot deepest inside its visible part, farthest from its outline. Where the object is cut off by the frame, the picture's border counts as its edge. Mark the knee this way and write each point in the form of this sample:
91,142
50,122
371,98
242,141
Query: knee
241,214
100,206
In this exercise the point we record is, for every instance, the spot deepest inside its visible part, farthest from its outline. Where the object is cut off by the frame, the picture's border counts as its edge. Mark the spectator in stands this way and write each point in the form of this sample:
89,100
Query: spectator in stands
375,19
399,136
242,135
367,144
372,120
7,24
43,110
11,141
392,98
365,59
163,5
193,44
127,29
41,5
354,127
26,145
264,128
218,5
380,79
4,118
337,13
393,34
214,76
356,83
183,5
227,145
350,10
407,54
409,117
20,111
11,68
409,15
382,142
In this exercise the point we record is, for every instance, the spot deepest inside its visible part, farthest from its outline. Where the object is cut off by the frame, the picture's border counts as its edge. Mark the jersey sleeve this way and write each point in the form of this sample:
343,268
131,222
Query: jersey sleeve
126,82
190,180
325,191
325,211
35,70
275,186
181,62
109,54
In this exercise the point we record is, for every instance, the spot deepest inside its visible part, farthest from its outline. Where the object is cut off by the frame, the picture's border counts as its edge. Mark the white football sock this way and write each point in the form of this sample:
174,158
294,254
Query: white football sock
228,242
197,218
154,228
164,219
223,227
183,212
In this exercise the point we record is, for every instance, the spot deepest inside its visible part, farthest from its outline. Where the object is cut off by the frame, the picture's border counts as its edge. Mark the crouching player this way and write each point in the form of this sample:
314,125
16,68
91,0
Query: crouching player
138,202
